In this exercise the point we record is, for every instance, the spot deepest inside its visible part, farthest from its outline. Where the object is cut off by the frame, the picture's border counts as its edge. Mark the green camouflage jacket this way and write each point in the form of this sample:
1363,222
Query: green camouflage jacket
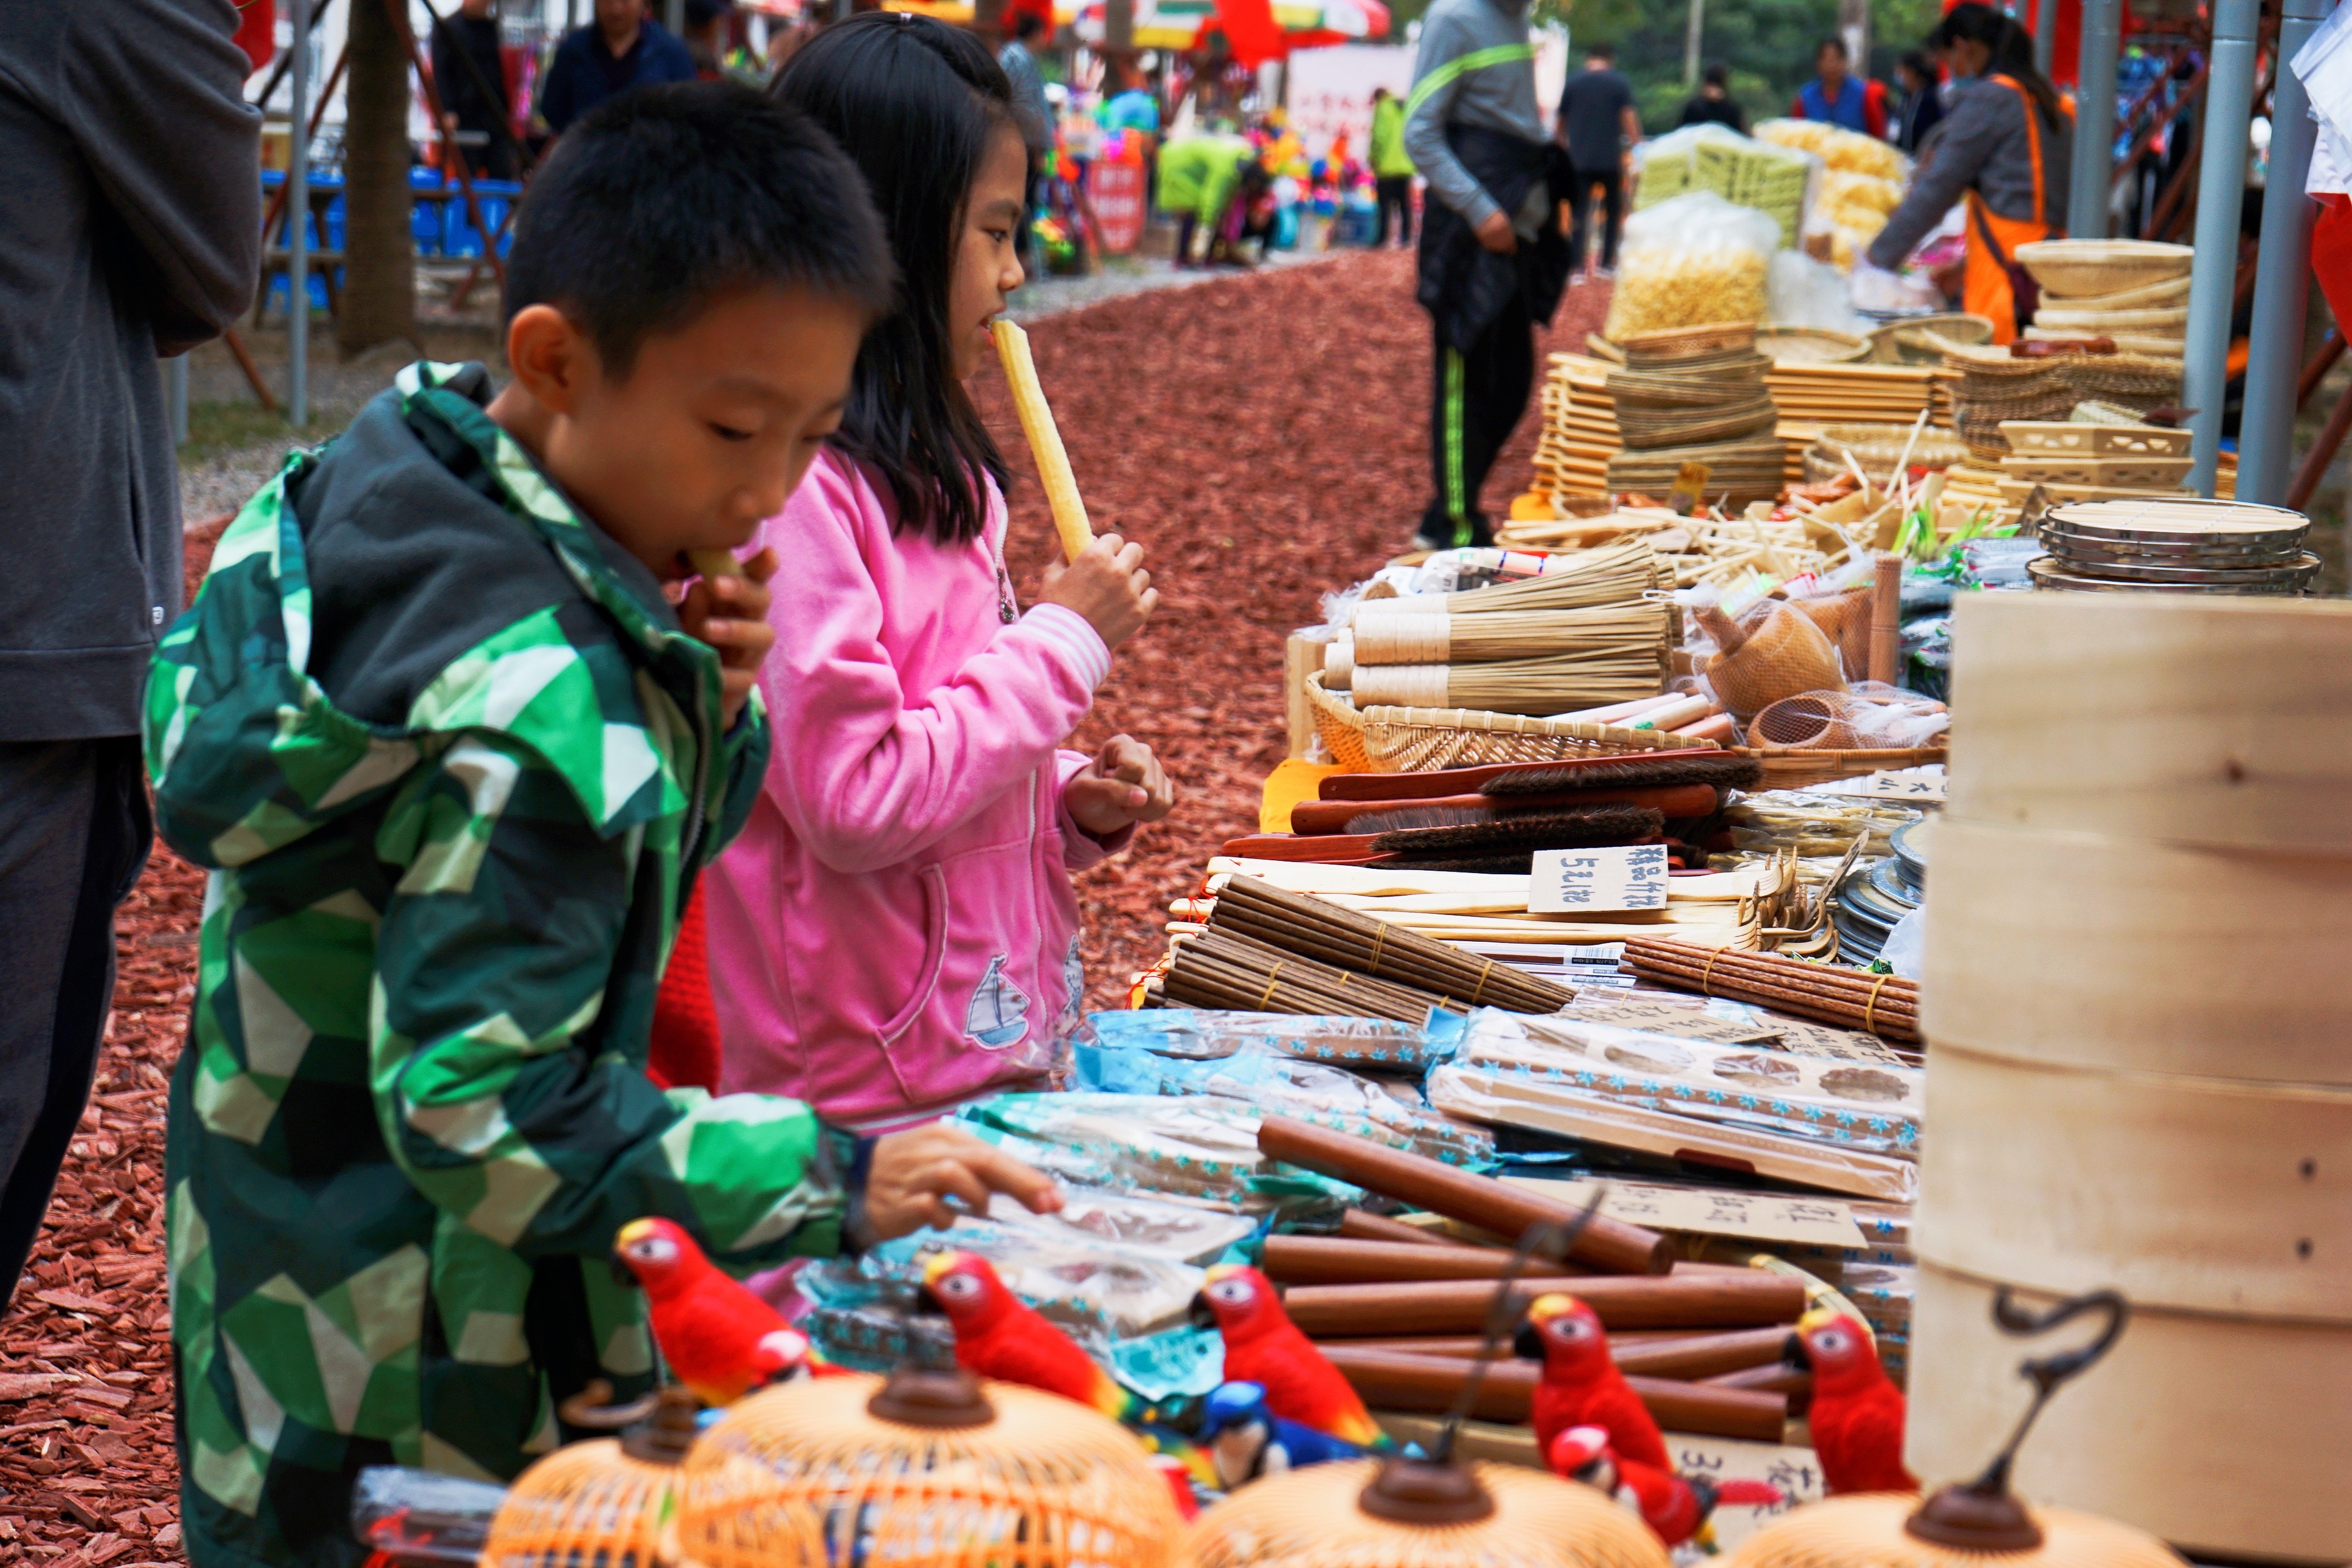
451,762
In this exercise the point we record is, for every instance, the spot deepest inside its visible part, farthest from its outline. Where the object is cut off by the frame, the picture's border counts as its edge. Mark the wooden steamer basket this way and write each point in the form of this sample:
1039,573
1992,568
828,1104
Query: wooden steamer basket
2135,996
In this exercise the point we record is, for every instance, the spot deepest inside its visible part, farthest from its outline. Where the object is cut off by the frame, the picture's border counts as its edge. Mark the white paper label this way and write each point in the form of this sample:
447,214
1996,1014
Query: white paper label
1922,785
1625,876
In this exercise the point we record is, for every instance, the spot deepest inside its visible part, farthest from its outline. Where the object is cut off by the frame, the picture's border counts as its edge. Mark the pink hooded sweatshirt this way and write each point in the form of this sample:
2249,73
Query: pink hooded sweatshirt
894,931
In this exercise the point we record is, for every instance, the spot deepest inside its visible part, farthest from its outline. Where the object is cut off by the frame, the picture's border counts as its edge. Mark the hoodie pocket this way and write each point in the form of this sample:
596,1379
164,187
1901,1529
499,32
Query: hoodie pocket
931,885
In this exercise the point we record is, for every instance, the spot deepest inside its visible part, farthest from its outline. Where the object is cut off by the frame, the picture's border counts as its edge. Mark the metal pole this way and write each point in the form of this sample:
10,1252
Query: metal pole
2094,121
1691,33
2221,191
677,23
298,234
2045,34
2282,275
176,397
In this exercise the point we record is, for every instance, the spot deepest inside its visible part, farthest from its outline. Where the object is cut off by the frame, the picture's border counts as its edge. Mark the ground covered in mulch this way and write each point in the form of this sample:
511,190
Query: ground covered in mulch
1264,436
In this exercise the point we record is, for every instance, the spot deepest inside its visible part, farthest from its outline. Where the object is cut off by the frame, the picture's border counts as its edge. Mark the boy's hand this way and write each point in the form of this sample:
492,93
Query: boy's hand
1124,784
730,613
1108,585
912,1174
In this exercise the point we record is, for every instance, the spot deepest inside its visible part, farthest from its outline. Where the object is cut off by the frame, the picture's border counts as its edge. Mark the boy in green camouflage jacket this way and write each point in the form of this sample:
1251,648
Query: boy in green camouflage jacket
453,759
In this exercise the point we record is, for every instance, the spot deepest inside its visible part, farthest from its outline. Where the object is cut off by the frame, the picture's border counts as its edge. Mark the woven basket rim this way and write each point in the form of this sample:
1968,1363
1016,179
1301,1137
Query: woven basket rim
1520,724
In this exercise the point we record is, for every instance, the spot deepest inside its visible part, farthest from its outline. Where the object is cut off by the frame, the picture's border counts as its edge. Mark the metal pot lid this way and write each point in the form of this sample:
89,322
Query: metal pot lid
2226,551
2048,572
2294,573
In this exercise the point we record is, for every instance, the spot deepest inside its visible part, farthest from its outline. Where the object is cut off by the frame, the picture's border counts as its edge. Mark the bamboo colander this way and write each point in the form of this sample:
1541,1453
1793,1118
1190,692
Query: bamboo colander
607,1501
929,1469
1411,1513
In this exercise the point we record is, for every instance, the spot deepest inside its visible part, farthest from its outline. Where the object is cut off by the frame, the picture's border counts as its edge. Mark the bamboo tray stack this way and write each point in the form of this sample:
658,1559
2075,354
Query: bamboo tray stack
1696,395
1580,429
1398,1310
2135,997
1850,393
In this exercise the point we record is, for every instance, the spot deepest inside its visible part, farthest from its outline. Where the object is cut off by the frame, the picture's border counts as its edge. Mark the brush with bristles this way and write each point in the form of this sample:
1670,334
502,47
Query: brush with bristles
1610,575
1456,833
1314,818
1697,764
1426,637
1535,688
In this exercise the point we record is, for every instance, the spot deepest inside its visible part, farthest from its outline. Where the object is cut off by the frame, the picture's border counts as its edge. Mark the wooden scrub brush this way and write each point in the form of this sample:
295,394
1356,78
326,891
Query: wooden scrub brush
1312,817
1649,770
1980,1524
1455,832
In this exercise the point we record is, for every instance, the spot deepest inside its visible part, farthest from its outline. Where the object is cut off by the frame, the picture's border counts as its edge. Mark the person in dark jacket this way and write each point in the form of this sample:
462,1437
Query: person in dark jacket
470,77
1713,103
1923,102
1493,261
622,49
134,219
1596,122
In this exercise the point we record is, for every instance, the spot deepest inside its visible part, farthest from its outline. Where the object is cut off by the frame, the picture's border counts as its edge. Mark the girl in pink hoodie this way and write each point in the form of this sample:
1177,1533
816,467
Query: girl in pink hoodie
894,931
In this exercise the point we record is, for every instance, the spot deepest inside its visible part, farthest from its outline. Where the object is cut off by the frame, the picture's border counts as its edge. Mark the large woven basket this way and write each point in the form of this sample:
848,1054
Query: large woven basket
1338,724
1803,770
1419,739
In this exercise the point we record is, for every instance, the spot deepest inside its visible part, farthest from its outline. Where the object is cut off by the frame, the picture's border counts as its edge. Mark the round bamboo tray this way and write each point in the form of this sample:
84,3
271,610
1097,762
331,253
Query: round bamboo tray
2073,267
2145,296
2086,931
1688,342
1812,345
1421,739
2109,321
2186,1193
2226,1437
1803,770
1920,340
2216,721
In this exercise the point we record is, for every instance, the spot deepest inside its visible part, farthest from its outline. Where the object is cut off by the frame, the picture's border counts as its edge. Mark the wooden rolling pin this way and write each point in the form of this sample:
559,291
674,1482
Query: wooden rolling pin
1336,1261
1747,1300
1357,1226
1693,1354
1490,1205
1789,1380
1394,1381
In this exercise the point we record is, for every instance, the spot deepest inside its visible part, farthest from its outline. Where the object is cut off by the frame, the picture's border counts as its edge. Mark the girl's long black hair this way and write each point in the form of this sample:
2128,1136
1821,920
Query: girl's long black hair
914,103
2012,51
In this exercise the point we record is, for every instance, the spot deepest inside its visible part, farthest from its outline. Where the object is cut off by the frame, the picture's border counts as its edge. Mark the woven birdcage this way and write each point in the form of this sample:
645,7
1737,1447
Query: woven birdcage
1411,1513
1869,1530
927,1469
607,1501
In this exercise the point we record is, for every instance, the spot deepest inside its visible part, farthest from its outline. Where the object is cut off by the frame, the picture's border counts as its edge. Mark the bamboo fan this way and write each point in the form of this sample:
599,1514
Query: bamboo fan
1535,688
929,1469
1422,637
609,1501
1253,908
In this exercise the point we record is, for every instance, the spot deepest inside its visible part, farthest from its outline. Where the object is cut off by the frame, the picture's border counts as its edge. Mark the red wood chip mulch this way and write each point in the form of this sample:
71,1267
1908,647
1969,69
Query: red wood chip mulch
1265,438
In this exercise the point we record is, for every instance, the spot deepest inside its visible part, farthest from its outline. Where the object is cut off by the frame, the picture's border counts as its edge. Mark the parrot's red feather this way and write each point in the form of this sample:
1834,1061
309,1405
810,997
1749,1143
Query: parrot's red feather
1859,1437
1301,1384
1605,1400
1024,1348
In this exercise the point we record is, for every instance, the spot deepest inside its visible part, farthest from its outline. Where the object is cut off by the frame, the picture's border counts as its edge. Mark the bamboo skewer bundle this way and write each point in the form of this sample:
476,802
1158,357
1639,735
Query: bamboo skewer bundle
1249,907
1883,1005
1218,969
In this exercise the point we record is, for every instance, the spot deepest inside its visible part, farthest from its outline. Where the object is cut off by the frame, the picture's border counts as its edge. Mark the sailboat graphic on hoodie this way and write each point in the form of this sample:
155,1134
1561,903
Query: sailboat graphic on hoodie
999,1013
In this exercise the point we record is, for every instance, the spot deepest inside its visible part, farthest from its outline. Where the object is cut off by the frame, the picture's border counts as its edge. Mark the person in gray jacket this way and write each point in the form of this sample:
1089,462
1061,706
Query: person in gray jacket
132,212
1493,261
2004,147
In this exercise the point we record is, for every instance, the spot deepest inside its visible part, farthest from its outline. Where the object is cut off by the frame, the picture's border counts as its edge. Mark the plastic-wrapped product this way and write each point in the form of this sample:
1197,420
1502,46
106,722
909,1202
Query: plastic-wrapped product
1841,150
410,1515
1381,1045
1203,1148
1695,261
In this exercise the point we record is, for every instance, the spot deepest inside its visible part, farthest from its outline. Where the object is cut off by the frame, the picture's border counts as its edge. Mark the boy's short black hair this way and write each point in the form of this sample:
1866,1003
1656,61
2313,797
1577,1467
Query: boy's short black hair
1605,53
1832,42
1718,75
665,196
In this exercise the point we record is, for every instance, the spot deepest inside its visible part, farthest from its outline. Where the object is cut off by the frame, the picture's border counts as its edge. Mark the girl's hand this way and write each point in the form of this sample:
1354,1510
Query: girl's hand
730,613
1123,785
912,1175
1108,585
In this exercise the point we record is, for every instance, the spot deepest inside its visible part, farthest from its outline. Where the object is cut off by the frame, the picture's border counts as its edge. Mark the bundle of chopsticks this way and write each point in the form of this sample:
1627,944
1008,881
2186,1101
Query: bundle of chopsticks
1399,1309
1884,1005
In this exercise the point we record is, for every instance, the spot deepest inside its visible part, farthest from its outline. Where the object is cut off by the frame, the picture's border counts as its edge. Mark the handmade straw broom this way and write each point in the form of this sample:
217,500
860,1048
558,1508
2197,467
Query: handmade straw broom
1045,438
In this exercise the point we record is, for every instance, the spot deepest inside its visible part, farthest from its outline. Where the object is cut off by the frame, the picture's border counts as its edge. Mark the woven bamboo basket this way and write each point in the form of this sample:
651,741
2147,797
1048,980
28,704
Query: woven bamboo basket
1688,342
1803,770
1338,724
1812,345
1421,739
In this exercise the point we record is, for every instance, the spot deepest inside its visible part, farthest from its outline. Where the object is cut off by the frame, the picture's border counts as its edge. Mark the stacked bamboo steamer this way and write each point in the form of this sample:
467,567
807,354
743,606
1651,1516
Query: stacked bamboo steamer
2136,995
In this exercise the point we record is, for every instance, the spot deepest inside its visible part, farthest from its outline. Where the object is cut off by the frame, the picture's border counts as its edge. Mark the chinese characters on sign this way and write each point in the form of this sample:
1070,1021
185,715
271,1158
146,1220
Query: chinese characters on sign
1627,876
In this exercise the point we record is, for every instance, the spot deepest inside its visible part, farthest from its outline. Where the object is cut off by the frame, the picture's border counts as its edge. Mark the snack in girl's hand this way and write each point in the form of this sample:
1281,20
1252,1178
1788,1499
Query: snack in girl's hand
896,930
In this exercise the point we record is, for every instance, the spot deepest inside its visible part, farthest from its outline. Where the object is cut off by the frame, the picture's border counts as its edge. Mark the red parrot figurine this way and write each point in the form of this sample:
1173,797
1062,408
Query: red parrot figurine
1857,1412
998,1335
1265,1347
1675,1507
1581,1386
720,1340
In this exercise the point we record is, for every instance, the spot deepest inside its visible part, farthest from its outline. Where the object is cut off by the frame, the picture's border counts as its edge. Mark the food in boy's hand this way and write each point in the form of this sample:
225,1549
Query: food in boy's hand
1105,584
1122,785
719,1338
729,610
913,1174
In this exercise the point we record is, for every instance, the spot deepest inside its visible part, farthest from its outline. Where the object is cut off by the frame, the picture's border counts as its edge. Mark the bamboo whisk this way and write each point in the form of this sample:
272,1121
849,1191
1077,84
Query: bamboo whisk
1537,687
1399,637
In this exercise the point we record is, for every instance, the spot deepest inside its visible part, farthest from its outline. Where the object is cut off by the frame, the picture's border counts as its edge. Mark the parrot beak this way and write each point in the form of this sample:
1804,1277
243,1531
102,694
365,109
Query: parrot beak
1200,1314
623,1275
1794,1355
1528,1344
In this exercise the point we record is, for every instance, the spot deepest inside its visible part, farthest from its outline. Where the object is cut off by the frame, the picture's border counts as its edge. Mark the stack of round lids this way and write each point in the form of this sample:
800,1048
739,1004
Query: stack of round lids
2163,543
1875,896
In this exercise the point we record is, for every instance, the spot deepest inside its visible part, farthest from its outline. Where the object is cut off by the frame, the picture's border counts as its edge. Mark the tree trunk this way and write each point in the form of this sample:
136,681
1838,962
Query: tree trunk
379,302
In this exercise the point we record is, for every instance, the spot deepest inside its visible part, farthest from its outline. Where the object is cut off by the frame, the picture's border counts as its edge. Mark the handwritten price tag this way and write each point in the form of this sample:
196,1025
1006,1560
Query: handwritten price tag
1921,786
1628,876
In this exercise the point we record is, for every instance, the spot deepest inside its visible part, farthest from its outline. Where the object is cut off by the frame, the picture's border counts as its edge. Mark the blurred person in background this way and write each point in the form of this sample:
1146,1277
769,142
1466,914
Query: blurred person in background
2005,147
1713,103
706,36
622,49
470,77
1923,103
1019,58
1838,99
1392,168
1597,123
133,218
